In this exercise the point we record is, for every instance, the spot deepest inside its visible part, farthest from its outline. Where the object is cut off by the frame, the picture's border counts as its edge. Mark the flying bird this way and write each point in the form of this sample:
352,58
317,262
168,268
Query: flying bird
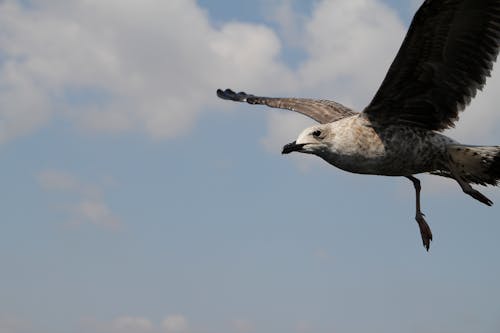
446,56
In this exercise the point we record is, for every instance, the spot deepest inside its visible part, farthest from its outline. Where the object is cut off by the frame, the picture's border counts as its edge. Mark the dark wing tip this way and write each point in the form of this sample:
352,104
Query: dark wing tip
230,95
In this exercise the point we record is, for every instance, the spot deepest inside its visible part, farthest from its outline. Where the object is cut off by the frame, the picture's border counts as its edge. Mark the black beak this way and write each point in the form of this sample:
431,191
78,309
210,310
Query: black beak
291,147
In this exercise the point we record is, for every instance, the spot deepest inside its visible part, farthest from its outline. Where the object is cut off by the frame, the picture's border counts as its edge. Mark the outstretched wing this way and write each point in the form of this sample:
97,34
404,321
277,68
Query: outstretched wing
445,58
322,111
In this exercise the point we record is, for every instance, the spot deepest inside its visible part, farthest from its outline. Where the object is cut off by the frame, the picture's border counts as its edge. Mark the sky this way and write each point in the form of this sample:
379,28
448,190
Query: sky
135,201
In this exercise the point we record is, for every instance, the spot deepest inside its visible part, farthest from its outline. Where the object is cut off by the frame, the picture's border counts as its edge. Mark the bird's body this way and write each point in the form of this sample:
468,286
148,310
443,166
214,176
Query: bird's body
356,145
447,54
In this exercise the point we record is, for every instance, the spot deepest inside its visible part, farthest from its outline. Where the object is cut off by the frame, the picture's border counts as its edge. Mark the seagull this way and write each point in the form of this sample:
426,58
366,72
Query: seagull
445,58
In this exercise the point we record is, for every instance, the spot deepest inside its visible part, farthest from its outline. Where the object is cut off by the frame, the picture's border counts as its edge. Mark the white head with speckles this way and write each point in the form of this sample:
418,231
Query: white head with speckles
313,140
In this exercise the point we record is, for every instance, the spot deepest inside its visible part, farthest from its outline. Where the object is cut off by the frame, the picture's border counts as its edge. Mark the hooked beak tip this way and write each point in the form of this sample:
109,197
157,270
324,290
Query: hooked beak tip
291,147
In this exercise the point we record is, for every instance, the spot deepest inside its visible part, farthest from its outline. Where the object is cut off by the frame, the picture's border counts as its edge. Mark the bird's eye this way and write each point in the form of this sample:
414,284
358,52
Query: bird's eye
316,133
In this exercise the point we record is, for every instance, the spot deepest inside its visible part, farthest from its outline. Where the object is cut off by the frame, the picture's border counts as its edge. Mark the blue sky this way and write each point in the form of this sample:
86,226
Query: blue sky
134,200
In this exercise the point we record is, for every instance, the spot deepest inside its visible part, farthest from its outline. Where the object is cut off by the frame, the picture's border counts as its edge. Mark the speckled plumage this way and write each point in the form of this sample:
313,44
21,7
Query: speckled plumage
445,58
355,145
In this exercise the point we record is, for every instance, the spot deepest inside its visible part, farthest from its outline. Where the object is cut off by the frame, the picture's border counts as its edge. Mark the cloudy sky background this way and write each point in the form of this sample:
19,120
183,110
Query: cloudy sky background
134,201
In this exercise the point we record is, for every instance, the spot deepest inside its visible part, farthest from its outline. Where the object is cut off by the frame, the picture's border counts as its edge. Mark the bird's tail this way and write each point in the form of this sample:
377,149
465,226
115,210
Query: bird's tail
476,164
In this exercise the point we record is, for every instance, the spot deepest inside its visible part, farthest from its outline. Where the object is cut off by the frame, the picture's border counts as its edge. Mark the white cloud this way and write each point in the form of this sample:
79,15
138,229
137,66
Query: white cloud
96,212
290,21
351,44
132,325
479,123
150,65
23,107
153,66
122,324
135,71
88,205
175,323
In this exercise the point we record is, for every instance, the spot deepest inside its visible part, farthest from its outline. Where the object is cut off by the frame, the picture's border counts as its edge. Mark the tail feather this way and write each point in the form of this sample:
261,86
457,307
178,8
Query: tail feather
477,164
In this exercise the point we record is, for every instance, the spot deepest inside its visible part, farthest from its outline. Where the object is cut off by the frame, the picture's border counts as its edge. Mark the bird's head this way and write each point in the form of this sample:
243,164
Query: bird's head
312,140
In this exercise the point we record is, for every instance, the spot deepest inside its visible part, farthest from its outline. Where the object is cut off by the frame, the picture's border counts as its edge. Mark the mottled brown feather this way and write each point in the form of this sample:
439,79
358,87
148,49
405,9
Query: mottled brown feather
323,111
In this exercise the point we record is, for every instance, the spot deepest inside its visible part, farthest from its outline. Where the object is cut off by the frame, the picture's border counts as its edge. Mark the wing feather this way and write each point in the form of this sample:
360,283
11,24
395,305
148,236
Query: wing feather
447,54
323,111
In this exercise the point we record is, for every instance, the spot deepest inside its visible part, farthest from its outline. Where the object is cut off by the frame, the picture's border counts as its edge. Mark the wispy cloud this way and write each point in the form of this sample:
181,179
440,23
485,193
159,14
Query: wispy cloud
132,325
175,323
88,205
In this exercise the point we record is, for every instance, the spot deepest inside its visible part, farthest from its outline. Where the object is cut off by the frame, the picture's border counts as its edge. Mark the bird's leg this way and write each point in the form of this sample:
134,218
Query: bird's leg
469,190
475,193
425,230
